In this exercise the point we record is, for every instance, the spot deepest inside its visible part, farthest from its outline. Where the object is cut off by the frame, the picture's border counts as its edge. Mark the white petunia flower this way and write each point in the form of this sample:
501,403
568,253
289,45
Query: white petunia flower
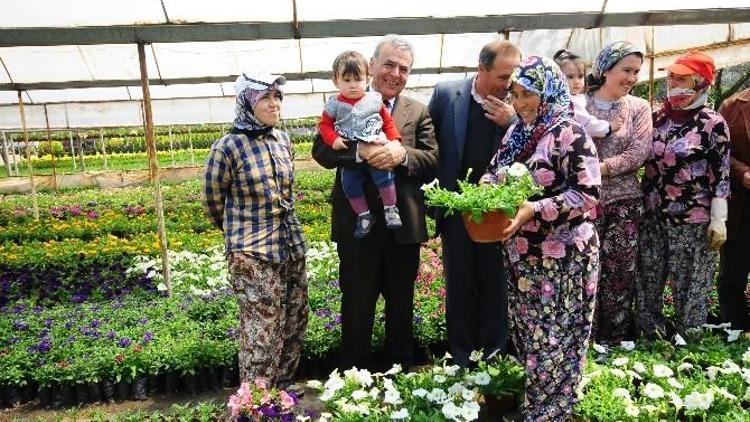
746,397
627,345
732,335
620,361
675,384
358,395
621,392
481,378
675,399
724,393
711,371
728,367
679,341
451,370
456,389
662,371
470,410
437,395
632,410
653,391
698,401
619,373
599,349
450,410
392,397
633,374
374,393
683,367
467,394
475,356
419,392
439,379
639,367
400,414
395,369
746,356
517,170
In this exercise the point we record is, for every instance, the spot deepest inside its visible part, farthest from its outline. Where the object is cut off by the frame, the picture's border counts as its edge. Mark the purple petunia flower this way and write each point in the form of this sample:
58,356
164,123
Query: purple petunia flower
111,334
94,323
14,340
48,322
20,325
232,333
124,342
148,336
143,321
338,319
44,345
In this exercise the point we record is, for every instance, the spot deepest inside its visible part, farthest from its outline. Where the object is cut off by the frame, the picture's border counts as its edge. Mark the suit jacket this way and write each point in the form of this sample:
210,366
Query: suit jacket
449,108
736,111
418,138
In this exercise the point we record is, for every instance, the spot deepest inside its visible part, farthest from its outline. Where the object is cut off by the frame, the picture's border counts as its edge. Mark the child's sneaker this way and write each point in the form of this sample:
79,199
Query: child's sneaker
392,219
364,224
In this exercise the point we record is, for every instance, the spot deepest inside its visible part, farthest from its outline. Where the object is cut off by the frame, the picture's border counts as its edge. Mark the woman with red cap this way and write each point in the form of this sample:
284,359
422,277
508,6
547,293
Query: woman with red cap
686,186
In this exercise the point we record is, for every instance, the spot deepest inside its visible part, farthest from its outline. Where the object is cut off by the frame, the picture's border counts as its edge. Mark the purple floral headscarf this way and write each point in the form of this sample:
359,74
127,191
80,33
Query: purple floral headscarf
543,77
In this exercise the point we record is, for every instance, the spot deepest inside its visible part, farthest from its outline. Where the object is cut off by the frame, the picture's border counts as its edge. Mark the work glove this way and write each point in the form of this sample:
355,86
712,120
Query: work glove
717,228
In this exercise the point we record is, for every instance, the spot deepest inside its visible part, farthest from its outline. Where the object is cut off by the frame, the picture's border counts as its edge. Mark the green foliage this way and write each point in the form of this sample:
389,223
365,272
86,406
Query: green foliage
478,199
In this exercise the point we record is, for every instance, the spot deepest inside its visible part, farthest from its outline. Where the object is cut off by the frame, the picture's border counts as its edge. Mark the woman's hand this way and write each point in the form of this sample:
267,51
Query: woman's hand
523,215
603,169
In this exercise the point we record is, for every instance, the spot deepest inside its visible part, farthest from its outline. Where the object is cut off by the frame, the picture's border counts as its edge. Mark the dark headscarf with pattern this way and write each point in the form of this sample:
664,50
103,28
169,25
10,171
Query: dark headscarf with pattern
249,91
610,55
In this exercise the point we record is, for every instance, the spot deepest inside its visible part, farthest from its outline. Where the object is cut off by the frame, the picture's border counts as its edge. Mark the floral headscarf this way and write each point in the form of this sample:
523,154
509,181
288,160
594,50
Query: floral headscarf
607,59
249,91
543,77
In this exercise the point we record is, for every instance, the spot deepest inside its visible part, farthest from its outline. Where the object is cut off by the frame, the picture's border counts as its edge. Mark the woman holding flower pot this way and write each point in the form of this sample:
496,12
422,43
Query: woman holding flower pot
621,153
248,195
686,187
551,243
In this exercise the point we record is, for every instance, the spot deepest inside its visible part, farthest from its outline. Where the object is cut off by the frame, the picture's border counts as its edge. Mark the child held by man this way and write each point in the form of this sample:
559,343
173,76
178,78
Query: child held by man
358,115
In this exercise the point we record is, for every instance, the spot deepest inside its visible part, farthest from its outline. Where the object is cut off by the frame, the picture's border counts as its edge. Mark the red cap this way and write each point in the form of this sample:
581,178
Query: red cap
694,62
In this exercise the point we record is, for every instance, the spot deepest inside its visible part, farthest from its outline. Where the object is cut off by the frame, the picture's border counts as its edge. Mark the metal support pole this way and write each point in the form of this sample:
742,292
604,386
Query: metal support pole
104,149
171,145
15,155
51,151
192,153
72,150
154,166
28,156
80,152
6,157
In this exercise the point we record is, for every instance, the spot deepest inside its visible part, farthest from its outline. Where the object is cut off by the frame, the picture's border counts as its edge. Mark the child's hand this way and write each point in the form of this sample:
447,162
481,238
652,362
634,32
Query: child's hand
615,124
339,144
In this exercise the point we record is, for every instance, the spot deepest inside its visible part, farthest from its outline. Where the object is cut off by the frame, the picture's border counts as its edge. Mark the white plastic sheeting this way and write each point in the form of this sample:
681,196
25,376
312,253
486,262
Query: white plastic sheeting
729,44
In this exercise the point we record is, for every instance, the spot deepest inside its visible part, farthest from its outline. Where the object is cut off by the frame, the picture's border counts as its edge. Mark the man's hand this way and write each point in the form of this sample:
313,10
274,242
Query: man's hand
497,110
746,180
387,156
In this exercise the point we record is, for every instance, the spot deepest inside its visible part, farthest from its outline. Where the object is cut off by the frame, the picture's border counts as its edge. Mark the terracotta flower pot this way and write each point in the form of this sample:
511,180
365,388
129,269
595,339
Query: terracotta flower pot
489,230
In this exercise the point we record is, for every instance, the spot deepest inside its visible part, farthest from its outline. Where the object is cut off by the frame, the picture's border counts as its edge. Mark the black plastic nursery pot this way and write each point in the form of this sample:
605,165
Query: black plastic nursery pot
140,389
9,396
45,397
95,393
108,390
122,390
154,382
82,393
171,383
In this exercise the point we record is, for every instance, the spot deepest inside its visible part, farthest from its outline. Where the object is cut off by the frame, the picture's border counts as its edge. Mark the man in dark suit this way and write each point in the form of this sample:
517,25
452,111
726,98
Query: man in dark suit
735,266
471,116
385,261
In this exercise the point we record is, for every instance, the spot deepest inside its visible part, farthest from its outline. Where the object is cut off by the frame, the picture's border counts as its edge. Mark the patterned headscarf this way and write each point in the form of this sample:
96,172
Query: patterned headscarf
607,59
249,91
544,78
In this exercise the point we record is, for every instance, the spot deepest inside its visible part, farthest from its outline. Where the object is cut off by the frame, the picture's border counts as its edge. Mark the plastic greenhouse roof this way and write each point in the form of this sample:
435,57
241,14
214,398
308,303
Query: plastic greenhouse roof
79,57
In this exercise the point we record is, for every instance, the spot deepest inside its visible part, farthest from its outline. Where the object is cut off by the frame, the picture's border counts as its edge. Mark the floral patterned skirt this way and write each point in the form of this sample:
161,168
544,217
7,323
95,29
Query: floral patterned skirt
678,253
551,309
617,224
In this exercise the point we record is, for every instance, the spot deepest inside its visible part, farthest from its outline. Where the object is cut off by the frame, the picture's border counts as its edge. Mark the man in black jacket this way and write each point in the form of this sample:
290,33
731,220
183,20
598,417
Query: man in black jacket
385,261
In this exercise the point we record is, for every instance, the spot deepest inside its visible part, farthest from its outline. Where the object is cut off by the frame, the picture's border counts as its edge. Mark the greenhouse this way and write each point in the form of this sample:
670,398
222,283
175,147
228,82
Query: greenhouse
121,285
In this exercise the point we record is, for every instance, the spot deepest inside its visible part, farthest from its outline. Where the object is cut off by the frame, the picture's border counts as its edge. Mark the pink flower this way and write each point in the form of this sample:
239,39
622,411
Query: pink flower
287,401
544,177
553,249
693,139
567,137
531,361
658,147
591,284
261,383
549,210
522,245
532,226
698,215
554,341
669,158
547,288
673,191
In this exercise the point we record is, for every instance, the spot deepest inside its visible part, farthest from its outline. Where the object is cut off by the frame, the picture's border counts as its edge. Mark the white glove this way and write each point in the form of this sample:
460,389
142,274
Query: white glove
717,228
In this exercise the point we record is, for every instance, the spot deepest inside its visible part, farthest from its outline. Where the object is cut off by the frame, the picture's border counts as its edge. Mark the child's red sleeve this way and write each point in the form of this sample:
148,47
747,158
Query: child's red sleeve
326,129
389,127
